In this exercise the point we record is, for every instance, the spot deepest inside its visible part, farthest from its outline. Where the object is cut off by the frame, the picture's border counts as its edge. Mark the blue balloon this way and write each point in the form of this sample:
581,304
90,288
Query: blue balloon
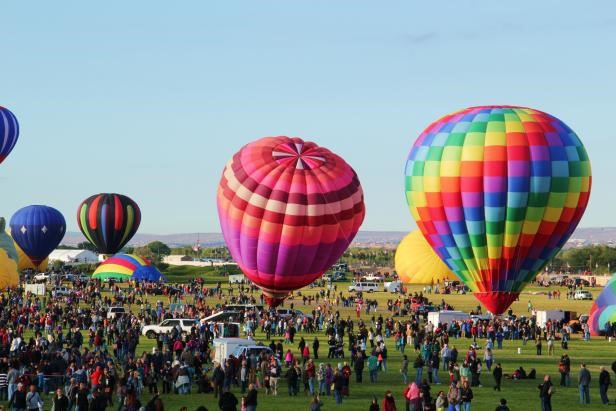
9,132
38,230
148,273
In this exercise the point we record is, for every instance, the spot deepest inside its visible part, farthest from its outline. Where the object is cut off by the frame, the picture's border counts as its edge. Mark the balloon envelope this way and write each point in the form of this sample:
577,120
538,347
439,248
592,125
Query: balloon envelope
108,221
128,267
497,191
417,263
9,276
288,209
9,132
603,308
38,230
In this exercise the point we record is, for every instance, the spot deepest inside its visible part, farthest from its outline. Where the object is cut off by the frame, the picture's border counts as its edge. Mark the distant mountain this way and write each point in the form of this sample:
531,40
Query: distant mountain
581,237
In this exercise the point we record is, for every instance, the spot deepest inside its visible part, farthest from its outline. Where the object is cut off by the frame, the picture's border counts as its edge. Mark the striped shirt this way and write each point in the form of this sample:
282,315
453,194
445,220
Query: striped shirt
4,381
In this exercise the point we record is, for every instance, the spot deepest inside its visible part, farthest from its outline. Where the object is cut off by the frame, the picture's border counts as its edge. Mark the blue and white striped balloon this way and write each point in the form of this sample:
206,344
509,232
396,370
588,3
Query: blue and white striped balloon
9,132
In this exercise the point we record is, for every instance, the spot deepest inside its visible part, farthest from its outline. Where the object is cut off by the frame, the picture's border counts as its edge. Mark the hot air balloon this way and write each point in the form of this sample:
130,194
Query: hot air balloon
128,267
288,209
417,263
9,277
9,132
37,229
108,221
497,191
604,308
23,261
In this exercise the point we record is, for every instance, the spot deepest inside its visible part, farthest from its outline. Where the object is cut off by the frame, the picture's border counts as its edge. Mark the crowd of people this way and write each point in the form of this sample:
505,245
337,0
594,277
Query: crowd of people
66,345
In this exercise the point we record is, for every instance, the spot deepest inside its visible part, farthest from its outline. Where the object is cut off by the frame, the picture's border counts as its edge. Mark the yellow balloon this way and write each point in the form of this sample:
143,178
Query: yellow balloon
24,262
417,263
9,277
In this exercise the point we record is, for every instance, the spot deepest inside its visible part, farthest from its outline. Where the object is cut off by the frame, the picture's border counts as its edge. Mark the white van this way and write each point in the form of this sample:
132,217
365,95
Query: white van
364,287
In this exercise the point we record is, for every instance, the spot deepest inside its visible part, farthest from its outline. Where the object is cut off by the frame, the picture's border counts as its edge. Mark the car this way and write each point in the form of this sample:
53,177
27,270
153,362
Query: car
152,331
286,313
582,295
337,276
576,325
364,286
60,291
115,312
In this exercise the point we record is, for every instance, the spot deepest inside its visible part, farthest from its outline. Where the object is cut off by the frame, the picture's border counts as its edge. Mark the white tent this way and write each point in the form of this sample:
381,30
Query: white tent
73,256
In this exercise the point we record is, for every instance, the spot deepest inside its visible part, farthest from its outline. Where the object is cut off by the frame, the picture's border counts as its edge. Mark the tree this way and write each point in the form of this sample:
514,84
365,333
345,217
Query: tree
154,251
159,248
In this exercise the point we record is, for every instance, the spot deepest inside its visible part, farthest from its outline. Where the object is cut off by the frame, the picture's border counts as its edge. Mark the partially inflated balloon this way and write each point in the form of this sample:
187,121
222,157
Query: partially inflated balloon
38,230
603,310
23,261
9,277
128,267
108,221
288,209
497,191
9,132
417,263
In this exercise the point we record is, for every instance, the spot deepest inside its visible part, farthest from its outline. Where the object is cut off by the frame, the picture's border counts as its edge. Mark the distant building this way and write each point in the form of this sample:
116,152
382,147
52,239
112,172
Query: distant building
188,260
73,256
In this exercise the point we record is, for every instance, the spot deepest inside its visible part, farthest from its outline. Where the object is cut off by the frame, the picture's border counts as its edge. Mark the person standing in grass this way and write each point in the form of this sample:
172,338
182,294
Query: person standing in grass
564,368
373,367
545,394
466,396
389,404
498,376
604,383
404,369
584,384
418,365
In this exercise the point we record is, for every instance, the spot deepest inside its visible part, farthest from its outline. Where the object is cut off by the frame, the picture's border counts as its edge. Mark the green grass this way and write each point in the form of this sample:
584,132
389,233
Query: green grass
521,395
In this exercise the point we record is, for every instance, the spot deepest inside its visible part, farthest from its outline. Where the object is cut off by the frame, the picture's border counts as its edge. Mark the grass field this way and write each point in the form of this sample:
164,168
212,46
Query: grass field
521,395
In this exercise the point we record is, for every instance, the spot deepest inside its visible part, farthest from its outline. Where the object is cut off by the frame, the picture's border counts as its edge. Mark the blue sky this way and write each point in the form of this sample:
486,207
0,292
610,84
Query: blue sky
151,98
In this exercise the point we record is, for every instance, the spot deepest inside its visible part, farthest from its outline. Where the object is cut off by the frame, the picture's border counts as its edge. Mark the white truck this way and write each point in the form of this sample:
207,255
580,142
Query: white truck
546,315
447,316
224,347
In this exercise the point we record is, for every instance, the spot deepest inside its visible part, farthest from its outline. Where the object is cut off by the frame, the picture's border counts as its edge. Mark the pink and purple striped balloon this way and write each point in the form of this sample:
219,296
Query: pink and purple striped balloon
288,209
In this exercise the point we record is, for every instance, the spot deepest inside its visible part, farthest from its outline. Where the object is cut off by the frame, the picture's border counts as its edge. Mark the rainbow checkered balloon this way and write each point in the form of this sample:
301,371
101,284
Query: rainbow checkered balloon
603,309
497,191
288,209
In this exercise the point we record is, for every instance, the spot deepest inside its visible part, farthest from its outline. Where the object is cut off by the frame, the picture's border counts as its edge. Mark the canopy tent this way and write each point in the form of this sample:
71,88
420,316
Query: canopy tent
128,267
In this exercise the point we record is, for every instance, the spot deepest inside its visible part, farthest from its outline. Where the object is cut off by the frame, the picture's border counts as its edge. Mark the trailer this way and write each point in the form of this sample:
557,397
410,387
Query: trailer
546,315
447,317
